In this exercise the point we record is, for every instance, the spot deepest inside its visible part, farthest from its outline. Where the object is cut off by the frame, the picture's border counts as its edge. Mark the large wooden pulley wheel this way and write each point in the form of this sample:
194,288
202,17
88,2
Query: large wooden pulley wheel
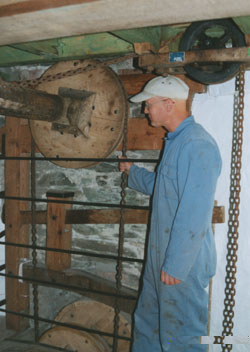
109,112
92,315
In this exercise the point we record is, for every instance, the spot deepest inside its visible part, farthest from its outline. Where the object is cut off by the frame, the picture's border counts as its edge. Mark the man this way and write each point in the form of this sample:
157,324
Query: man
172,311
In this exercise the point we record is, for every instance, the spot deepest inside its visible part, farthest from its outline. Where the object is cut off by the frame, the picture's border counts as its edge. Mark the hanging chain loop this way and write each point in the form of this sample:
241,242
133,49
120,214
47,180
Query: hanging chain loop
233,219
34,241
60,75
119,266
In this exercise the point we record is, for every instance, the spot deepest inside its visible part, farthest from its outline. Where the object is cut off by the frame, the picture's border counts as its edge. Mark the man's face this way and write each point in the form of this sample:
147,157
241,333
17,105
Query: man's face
156,109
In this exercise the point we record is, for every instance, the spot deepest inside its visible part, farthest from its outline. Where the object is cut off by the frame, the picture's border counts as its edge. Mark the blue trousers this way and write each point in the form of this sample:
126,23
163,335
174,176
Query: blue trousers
171,318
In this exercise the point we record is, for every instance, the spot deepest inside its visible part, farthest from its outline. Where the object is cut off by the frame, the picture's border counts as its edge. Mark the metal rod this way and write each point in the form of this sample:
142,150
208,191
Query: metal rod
78,288
44,200
3,144
2,267
2,302
72,326
110,160
88,254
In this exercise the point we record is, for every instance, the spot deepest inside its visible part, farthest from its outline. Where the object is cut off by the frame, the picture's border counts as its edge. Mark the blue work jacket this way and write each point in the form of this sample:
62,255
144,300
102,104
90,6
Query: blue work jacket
183,188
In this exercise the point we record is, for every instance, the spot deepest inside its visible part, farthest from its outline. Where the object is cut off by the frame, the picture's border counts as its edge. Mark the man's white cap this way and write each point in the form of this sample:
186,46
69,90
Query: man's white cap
167,87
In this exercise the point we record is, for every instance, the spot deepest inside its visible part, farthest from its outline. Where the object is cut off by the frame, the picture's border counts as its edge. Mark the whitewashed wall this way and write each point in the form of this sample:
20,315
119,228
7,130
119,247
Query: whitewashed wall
214,111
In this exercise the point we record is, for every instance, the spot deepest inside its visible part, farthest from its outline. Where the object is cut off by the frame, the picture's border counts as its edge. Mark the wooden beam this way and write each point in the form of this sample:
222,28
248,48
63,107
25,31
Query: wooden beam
59,233
40,217
141,136
16,184
81,281
34,5
108,216
175,59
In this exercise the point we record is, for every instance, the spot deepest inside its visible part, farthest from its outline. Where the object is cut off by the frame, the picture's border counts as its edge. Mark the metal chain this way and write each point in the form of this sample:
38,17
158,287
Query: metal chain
60,75
33,239
119,265
233,221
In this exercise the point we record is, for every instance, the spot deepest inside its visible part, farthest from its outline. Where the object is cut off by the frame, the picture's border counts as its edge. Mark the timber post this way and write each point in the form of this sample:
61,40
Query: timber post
16,185
59,234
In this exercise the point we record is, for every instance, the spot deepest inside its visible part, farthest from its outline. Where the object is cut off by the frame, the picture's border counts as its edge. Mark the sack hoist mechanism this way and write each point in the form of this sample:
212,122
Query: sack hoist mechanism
85,116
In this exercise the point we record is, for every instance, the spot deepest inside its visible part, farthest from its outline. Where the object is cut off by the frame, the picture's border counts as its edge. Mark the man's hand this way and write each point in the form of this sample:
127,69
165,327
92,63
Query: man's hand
168,280
125,166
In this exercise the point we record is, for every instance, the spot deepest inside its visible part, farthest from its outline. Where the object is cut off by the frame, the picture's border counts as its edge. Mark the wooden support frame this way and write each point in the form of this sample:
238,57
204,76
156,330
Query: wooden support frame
18,217
141,136
108,216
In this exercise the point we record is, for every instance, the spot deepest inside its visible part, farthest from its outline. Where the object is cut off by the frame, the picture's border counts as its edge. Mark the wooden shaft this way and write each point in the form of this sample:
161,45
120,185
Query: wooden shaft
29,103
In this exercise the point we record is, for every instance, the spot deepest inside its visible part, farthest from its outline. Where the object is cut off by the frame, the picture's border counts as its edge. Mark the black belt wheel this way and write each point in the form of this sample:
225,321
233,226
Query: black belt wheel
214,34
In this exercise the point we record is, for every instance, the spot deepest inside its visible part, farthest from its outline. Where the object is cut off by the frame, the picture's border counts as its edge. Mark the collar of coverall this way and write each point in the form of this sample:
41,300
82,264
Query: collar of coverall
182,125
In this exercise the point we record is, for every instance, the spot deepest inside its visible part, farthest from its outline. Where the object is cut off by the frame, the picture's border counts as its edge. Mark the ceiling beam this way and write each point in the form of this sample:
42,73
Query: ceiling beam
21,7
108,15
53,50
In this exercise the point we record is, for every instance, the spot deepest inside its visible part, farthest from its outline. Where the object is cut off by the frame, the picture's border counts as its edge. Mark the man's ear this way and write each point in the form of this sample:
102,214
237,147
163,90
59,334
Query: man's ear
169,104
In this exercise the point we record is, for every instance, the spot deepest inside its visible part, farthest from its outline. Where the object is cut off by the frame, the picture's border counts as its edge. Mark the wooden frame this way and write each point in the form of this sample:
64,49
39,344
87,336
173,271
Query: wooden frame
18,217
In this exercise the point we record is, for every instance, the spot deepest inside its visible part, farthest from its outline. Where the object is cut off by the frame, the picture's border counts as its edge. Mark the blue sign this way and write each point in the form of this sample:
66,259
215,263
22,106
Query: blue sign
178,56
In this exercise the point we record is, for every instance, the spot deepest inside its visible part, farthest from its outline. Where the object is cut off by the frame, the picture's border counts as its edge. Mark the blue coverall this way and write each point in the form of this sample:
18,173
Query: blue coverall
181,242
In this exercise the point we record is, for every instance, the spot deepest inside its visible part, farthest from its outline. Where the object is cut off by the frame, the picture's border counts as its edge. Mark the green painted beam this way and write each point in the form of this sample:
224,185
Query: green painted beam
38,48
141,35
70,48
243,23
168,33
